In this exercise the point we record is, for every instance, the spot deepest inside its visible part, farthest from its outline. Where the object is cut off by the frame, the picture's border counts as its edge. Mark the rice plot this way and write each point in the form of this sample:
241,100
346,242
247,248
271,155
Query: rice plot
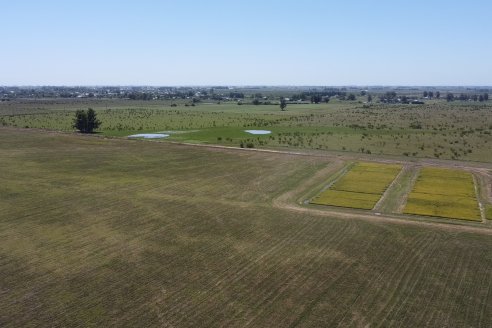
361,187
444,193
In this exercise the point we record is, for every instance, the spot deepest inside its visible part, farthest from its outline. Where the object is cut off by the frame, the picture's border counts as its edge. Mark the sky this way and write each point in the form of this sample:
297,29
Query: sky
250,42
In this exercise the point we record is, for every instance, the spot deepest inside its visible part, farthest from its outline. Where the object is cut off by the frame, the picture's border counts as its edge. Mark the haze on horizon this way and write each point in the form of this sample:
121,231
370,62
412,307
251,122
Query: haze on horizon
254,42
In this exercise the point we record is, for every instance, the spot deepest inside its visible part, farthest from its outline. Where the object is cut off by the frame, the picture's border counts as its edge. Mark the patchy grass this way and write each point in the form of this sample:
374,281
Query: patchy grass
458,130
444,193
361,187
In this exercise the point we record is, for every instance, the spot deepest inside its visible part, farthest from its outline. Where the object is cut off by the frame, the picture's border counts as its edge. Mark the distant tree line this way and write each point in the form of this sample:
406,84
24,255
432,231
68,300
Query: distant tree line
320,96
468,97
391,97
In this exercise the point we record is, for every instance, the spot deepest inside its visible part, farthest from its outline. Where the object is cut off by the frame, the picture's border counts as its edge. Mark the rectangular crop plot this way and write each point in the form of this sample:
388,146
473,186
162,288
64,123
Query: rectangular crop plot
444,193
361,187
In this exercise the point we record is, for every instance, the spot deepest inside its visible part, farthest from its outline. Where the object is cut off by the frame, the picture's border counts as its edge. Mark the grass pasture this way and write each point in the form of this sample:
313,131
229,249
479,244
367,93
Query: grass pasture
444,193
460,131
361,187
124,233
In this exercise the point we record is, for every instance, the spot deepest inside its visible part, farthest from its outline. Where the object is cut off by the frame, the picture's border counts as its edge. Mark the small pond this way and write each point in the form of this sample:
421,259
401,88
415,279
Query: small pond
149,135
258,131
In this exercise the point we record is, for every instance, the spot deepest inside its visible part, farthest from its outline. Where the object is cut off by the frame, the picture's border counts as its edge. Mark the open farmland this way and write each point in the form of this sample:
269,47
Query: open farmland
444,193
440,130
361,187
111,232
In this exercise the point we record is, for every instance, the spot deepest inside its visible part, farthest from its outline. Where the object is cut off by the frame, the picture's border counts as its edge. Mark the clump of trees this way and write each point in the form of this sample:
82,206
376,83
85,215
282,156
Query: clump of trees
283,104
86,121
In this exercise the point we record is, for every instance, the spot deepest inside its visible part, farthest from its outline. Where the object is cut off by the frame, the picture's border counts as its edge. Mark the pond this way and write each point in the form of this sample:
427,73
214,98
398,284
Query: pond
149,135
258,131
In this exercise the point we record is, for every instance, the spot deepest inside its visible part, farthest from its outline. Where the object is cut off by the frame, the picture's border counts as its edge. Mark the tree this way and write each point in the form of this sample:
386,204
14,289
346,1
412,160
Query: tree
369,98
426,94
316,99
438,94
283,104
92,122
80,120
431,94
486,96
450,97
256,101
86,122
351,97
481,98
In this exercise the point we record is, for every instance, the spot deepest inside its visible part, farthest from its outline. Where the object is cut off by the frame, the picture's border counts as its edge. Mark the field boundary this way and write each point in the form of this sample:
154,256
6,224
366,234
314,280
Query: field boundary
410,188
481,207
388,190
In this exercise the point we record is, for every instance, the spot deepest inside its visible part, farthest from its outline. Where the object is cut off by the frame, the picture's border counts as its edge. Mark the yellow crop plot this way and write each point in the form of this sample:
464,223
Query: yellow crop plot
361,187
444,193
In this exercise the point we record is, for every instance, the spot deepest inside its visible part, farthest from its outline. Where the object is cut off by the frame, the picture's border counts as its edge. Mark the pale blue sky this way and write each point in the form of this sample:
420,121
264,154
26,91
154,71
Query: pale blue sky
310,42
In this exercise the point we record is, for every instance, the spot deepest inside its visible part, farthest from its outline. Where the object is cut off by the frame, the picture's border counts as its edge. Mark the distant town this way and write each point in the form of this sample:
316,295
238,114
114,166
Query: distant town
257,95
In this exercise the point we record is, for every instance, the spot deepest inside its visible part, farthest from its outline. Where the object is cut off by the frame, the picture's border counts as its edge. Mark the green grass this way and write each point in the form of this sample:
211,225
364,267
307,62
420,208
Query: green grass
444,193
361,187
110,232
449,131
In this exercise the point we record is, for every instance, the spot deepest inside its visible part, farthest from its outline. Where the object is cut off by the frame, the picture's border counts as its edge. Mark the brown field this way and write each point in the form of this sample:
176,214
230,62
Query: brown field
107,232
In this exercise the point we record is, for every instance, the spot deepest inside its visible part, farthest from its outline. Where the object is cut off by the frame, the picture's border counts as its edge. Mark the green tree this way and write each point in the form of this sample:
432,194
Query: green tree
283,104
92,122
86,122
316,99
80,121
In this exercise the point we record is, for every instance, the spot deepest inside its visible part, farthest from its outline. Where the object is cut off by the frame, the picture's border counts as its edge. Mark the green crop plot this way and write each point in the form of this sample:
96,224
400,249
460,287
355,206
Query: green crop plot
444,193
361,187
